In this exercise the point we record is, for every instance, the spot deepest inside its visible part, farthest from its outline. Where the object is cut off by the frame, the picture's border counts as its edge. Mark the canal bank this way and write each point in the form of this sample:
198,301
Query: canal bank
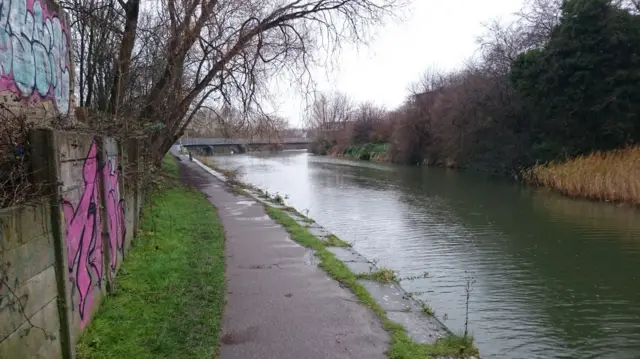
551,274
412,332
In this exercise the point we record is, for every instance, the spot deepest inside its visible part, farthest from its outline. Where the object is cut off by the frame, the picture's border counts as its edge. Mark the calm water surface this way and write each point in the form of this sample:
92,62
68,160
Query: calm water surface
554,277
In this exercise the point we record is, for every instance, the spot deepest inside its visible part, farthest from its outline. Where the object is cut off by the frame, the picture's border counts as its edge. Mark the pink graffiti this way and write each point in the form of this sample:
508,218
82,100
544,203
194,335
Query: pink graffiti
115,211
84,247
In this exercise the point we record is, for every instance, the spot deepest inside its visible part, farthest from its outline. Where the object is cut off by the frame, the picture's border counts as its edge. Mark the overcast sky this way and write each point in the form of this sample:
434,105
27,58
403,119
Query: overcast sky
438,33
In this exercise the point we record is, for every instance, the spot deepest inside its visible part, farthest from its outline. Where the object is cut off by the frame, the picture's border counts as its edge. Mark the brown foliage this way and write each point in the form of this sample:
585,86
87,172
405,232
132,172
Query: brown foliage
366,119
17,185
608,176
337,124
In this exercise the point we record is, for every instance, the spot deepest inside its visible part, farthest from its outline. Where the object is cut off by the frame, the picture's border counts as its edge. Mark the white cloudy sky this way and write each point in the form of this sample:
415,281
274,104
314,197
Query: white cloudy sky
438,33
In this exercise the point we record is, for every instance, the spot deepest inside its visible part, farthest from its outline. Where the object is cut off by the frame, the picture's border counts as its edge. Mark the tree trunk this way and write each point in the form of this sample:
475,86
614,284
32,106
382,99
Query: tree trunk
90,69
132,9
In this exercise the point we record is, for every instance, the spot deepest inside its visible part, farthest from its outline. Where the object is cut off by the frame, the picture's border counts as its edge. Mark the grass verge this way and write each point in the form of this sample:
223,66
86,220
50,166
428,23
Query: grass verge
170,290
170,166
333,241
401,346
607,176
382,275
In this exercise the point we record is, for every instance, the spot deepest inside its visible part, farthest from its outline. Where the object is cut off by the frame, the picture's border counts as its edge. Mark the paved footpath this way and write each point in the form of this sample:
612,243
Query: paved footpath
279,304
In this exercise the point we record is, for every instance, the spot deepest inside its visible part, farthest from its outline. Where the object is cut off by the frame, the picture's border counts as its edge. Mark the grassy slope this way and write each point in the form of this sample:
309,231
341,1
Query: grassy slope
170,290
402,347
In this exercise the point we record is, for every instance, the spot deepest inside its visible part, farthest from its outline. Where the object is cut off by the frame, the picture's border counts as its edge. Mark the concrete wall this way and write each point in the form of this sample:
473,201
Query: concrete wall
28,291
132,169
36,71
59,258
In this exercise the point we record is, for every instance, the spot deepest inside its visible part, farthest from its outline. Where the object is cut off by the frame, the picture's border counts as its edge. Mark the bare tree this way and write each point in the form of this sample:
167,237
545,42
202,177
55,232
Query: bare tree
95,28
500,46
229,122
230,47
538,18
365,118
432,80
329,113
164,64
270,129
104,34
501,43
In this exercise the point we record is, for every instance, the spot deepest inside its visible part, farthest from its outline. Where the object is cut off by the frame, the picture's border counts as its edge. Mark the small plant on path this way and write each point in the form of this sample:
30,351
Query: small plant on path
382,275
333,241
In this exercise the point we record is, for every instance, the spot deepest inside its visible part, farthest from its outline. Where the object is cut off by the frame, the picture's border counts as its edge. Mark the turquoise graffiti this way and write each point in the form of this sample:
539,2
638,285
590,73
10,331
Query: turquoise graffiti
34,53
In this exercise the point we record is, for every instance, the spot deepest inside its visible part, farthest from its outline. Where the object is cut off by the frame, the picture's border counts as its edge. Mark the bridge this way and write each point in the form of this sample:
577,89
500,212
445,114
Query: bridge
209,146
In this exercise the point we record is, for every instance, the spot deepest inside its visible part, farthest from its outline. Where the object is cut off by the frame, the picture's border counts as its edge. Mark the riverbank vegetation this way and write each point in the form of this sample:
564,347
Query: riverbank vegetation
558,82
170,290
382,275
401,346
332,239
368,152
608,176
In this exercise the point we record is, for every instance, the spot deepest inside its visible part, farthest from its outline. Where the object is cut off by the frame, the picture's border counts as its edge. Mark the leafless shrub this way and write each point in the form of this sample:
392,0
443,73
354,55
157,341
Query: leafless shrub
366,118
329,113
330,120
17,185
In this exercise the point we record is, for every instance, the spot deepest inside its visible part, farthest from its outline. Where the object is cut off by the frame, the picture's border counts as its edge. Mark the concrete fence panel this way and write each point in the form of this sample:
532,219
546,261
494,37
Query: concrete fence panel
60,255
29,318
79,177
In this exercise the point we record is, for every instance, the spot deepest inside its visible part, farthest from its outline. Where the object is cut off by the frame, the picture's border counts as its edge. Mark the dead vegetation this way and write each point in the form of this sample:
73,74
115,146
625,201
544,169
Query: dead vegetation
17,182
607,176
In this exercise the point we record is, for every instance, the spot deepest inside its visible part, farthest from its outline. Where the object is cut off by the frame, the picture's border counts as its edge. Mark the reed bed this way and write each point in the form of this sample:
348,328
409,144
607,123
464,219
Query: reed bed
606,176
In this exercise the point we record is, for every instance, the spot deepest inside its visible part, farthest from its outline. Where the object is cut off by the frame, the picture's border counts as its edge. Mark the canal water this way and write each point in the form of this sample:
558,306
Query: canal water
552,277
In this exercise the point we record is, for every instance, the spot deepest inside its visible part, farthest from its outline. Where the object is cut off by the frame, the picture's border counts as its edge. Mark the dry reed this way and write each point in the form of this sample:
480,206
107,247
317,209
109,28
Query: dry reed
607,176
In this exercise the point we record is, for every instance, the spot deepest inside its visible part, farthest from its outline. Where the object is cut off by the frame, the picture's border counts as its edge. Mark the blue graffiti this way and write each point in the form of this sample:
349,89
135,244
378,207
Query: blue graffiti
34,53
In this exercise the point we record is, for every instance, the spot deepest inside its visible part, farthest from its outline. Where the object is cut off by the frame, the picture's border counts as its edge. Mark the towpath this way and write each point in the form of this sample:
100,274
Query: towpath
279,304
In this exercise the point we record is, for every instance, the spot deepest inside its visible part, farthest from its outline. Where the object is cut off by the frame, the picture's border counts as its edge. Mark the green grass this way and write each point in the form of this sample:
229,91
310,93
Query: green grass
426,309
170,165
170,290
401,346
333,241
367,151
382,275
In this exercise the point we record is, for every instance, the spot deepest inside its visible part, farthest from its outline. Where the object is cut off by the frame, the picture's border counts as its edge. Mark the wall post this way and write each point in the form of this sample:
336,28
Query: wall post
134,160
104,216
45,161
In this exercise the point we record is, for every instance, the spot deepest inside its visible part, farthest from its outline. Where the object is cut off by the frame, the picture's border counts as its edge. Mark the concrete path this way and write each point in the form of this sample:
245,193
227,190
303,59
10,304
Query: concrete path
279,304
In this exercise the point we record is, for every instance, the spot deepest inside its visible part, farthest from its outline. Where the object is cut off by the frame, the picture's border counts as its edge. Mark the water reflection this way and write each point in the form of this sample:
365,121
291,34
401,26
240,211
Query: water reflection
554,277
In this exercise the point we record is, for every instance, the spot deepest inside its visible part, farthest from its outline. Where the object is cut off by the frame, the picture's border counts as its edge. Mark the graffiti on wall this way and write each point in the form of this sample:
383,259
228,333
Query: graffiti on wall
83,231
115,211
84,246
34,53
